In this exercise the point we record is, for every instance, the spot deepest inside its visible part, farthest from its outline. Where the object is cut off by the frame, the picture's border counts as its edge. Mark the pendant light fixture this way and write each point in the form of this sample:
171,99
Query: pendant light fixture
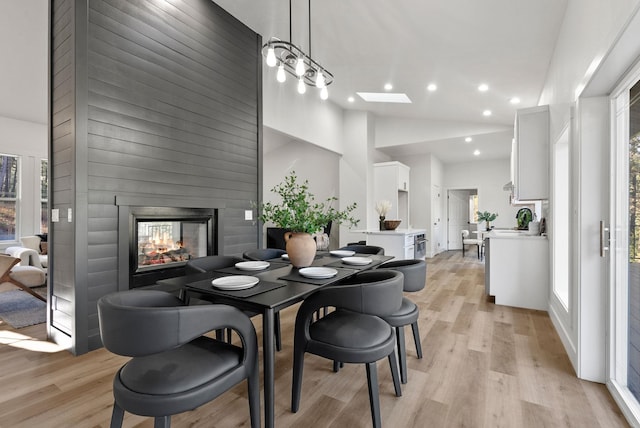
289,58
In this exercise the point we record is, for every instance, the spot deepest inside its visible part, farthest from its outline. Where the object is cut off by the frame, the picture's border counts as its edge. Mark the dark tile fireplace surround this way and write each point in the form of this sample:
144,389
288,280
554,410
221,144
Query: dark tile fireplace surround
156,237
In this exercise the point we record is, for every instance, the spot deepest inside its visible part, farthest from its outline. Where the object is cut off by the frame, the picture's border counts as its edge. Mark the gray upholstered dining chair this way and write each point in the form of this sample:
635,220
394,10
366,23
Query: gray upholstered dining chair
415,278
354,332
470,241
174,368
364,249
263,254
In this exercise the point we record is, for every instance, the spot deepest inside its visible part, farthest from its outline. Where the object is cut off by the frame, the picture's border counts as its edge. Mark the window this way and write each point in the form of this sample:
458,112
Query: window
473,208
44,198
8,197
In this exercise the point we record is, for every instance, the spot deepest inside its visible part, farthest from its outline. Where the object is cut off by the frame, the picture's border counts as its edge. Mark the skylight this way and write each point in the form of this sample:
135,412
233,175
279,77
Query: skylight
384,97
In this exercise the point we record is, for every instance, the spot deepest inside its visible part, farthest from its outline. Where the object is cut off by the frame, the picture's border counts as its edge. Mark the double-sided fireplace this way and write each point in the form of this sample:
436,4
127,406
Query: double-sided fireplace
161,240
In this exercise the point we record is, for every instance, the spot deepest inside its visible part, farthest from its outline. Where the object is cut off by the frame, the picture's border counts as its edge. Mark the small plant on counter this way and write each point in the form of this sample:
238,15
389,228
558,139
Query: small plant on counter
487,217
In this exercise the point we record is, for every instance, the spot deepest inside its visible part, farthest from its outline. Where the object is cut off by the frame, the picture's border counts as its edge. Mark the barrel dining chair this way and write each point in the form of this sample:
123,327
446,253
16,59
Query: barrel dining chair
353,332
414,272
174,367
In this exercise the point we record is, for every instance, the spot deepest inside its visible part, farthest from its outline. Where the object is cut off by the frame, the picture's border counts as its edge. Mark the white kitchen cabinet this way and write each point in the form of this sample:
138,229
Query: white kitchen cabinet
391,183
517,270
399,243
530,154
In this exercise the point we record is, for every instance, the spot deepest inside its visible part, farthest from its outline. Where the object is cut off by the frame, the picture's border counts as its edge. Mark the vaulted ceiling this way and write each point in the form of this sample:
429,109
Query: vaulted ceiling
506,44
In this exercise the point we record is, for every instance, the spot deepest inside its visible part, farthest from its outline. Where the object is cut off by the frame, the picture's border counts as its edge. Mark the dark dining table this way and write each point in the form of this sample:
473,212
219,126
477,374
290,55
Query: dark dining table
280,286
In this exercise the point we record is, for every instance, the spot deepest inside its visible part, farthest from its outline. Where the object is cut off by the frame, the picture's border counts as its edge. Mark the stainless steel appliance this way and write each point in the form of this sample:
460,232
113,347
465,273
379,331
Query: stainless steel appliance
419,246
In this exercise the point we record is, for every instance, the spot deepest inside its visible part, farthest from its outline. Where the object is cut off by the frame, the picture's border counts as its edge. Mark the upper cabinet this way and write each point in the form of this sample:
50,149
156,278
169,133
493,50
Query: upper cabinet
530,154
391,183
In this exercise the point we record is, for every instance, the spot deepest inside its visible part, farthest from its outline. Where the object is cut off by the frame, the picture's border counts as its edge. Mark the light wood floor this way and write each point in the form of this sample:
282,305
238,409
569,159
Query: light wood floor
484,366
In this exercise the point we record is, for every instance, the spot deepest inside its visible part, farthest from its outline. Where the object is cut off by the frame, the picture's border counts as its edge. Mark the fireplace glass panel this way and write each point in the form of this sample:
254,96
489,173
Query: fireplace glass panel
166,243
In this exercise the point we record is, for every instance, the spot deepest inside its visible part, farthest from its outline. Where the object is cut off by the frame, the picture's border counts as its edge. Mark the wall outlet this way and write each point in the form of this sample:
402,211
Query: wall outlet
55,215
69,215
248,215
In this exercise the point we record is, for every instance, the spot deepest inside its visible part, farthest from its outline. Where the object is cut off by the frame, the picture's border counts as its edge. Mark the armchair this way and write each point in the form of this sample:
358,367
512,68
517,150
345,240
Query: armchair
174,368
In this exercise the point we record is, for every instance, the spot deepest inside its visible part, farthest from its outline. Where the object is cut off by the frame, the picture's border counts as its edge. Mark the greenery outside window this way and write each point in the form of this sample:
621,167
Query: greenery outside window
473,208
44,196
8,197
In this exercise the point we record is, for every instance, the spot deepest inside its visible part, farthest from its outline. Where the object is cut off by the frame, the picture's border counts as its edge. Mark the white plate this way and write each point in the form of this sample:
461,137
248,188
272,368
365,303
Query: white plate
343,253
235,282
361,261
257,265
285,256
318,272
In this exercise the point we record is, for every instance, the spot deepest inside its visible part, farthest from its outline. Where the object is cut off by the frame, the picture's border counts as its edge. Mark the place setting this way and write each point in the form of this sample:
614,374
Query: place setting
355,262
238,285
241,268
317,274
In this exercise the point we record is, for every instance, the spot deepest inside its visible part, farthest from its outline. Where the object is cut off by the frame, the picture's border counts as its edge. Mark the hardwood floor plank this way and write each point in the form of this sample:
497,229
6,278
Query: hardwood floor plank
484,365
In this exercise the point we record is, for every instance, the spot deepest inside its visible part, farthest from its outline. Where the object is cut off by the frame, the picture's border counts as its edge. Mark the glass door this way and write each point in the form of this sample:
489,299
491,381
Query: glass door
624,318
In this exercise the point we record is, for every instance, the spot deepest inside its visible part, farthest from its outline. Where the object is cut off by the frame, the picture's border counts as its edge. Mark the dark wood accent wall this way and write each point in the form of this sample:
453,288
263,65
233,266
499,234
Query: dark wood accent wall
151,98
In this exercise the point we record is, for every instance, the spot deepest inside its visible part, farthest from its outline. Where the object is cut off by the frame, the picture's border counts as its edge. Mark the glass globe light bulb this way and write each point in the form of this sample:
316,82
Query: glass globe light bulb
302,88
281,75
324,94
319,80
300,68
271,57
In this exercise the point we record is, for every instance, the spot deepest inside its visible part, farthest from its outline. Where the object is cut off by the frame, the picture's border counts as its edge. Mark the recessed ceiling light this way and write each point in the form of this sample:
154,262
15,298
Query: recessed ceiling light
351,99
486,113
468,140
384,97
483,87
515,100
388,87
432,87
476,152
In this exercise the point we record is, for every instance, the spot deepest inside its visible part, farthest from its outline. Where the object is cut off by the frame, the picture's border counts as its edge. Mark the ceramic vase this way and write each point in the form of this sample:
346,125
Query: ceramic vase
301,248
382,222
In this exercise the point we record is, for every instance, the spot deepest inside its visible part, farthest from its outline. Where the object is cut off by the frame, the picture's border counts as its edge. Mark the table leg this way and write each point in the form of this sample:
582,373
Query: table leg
268,350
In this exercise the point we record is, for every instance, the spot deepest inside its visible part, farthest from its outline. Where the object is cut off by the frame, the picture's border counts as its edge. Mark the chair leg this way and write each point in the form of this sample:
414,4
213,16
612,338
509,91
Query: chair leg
478,251
162,422
463,251
393,365
253,384
402,353
416,339
278,333
27,289
374,399
117,416
296,383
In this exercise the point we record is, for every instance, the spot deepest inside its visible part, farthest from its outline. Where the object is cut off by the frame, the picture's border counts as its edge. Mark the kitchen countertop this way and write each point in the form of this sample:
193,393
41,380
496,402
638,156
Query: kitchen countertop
393,232
512,234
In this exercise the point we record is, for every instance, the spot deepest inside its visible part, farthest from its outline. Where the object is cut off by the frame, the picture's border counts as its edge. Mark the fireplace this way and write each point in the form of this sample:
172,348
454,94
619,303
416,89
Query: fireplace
161,240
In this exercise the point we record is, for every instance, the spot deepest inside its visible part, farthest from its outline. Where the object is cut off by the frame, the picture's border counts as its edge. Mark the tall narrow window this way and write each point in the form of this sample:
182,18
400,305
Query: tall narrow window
44,196
8,197
473,208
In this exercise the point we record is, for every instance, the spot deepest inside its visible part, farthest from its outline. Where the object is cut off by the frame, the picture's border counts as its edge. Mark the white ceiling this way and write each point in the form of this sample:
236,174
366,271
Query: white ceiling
457,44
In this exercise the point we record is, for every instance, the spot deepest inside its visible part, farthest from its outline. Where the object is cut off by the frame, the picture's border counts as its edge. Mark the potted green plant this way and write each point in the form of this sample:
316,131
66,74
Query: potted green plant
487,217
299,213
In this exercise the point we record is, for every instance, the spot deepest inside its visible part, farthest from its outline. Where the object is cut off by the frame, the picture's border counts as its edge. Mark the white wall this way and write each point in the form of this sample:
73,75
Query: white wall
488,177
589,31
317,165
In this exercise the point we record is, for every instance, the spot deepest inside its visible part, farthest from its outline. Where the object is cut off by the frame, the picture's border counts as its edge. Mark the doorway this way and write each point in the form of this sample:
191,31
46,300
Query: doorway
624,324
462,205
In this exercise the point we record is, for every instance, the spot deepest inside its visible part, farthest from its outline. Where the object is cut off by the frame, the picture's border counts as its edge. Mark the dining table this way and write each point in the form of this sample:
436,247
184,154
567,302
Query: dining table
280,285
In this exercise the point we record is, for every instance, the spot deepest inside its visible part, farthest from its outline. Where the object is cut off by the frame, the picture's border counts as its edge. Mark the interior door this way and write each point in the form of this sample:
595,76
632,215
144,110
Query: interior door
436,216
458,217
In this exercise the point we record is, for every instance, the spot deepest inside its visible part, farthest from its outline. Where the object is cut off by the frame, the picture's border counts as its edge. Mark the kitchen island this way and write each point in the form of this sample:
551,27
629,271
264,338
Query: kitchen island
517,269
399,243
